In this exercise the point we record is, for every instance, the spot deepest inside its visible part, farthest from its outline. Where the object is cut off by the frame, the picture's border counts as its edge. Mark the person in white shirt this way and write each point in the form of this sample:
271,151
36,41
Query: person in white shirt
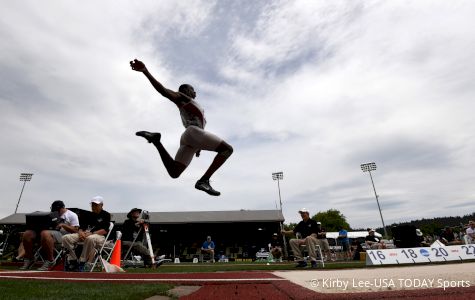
194,138
67,222
471,232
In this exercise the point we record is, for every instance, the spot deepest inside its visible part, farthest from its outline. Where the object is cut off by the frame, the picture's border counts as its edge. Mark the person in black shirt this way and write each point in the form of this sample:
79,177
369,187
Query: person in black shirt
447,237
373,242
306,233
132,230
92,233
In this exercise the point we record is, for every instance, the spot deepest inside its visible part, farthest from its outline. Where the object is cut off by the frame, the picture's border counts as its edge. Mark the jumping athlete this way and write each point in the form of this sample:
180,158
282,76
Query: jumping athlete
193,140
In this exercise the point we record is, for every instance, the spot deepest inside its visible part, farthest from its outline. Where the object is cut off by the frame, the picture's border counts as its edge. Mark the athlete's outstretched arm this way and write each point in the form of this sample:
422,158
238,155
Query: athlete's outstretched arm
175,97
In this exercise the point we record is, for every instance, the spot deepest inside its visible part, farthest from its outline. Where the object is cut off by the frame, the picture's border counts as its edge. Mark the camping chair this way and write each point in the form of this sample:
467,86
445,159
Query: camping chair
57,255
106,249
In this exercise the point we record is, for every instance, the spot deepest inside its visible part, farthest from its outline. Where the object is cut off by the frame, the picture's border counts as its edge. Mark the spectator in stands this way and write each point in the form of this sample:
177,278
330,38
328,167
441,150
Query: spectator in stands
67,223
373,242
420,239
447,237
92,233
322,241
306,234
208,247
276,247
470,232
132,230
344,241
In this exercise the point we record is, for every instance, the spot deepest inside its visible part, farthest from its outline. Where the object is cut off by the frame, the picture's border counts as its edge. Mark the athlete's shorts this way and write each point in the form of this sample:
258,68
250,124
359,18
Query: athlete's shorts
193,140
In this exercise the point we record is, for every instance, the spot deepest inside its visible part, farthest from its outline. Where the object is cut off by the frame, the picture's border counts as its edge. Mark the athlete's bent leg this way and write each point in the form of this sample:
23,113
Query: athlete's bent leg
174,168
224,152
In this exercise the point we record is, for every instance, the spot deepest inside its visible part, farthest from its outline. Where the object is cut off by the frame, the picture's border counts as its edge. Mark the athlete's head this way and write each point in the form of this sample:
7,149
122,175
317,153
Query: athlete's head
187,90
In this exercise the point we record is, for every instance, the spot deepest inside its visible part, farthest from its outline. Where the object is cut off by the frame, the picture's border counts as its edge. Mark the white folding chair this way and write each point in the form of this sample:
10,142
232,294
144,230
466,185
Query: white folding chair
318,250
106,248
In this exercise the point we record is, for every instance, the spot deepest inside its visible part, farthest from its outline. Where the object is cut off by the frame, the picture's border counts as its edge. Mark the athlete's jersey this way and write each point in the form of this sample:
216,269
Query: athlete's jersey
192,114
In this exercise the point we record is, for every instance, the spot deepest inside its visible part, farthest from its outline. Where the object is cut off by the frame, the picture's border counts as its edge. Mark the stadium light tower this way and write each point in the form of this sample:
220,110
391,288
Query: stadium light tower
368,167
280,176
23,177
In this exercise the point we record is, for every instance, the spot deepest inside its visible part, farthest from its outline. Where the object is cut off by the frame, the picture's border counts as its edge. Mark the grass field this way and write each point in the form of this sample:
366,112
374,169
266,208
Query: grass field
224,267
33,289
235,266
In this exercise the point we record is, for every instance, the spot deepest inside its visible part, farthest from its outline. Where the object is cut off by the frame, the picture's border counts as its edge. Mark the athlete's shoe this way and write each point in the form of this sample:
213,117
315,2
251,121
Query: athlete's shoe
204,186
149,136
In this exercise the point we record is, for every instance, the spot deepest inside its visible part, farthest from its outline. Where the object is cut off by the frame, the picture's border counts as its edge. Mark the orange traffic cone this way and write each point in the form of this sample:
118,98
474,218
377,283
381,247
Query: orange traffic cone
115,258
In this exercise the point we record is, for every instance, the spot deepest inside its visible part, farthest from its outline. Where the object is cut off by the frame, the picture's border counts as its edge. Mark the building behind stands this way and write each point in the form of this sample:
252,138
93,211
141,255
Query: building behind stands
237,234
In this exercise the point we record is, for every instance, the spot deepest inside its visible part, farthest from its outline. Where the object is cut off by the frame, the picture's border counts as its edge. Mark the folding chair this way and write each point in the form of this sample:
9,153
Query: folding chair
106,248
57,252
318,250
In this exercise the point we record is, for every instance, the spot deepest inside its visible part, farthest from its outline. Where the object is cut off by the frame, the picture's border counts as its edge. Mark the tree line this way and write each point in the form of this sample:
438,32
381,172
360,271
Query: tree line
333,220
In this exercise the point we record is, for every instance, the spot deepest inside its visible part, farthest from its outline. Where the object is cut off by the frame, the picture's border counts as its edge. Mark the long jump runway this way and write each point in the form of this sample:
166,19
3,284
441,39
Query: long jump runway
422,282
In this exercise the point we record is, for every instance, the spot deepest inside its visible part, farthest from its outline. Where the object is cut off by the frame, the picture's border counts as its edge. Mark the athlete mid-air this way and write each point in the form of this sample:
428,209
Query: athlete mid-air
194,138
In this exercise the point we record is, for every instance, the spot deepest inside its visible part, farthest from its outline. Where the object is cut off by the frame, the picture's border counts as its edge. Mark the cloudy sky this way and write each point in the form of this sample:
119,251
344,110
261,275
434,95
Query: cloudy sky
310,88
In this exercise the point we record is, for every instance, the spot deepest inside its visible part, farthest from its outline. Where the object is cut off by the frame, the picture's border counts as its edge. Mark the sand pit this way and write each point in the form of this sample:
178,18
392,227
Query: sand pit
377,279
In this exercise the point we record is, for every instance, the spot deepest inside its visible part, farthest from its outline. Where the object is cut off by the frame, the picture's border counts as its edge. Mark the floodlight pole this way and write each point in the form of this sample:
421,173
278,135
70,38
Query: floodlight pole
368,167
23,177
280,176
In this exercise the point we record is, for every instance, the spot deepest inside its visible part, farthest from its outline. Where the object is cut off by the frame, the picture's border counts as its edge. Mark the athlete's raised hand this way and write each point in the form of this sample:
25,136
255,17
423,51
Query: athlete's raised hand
138,66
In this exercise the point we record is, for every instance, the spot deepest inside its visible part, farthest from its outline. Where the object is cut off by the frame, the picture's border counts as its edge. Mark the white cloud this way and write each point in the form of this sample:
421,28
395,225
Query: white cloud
312,88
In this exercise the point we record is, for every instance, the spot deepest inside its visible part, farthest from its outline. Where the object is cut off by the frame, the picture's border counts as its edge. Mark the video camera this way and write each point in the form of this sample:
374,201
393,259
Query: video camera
144,216
38,221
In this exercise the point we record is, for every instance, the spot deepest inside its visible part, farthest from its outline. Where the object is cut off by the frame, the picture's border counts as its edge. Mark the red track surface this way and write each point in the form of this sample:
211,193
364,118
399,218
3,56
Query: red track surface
241,285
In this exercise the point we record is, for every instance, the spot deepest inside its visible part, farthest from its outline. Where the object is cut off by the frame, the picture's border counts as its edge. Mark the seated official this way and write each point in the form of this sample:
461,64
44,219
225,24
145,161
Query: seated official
67,222
91,233
447,237
373,242
208,247
132,230
306,234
